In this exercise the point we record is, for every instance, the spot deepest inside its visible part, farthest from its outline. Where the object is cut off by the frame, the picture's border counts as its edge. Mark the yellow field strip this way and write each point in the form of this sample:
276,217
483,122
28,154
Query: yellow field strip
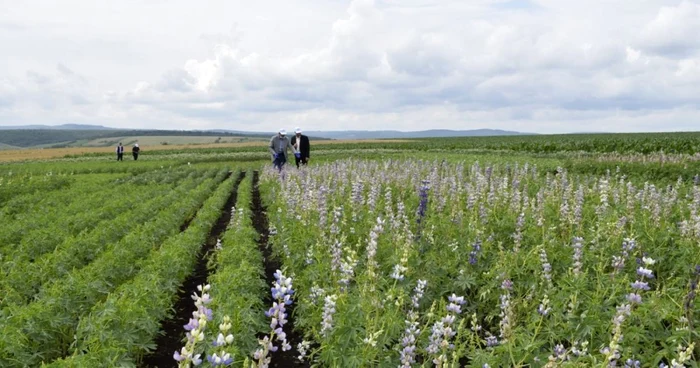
51,153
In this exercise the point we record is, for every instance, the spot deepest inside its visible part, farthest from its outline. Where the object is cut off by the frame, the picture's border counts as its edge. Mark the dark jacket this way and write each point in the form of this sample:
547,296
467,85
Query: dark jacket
304,145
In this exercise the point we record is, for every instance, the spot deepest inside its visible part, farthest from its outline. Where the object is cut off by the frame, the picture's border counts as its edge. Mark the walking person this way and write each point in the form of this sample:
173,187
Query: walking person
120,152
302,146
135,151
279,144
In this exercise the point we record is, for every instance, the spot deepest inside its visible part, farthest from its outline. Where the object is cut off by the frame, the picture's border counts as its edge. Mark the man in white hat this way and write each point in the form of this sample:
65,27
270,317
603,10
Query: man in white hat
301,144
135,151
279,144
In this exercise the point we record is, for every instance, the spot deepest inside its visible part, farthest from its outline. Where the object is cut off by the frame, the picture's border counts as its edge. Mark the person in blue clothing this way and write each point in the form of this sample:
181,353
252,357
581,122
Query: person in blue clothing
279,145
120,152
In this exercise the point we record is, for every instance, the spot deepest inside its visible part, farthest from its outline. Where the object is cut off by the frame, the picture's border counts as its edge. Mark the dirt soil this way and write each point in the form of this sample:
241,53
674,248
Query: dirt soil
280,359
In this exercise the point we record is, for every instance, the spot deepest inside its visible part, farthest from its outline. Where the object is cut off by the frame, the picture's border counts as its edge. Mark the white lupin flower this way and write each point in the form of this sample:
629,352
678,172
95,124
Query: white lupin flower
220,340
648,261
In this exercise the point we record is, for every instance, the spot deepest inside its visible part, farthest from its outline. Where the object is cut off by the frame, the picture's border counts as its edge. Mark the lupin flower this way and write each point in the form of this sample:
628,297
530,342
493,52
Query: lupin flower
491,340
546,267
474,253
645,273
518,234
347,268
442,331
627,246
418,293
684,355
640,285
328,312
612,351
506,310
544,308
580,350
282,292
397,274
408,341
220,357
423,204
302,348
195,327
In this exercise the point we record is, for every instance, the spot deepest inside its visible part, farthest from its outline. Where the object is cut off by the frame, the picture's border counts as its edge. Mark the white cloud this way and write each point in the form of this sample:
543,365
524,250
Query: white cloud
540,66
674,30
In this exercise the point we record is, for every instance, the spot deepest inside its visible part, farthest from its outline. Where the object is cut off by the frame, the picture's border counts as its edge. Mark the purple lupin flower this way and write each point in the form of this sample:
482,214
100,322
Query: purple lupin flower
408,341
474,253
690,298
281,292
423,204
196,328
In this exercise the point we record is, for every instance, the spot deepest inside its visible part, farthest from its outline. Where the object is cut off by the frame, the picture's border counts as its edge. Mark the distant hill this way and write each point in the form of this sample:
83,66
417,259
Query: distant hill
75,135
433,133
56,138
58,127
394,134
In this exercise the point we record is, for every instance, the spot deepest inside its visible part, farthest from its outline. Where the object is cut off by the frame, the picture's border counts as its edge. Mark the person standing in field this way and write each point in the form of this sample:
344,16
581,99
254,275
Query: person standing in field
302,146
279,144
120,152
135,151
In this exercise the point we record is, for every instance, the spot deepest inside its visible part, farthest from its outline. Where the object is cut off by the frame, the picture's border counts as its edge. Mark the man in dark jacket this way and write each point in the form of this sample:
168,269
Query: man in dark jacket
302,146
135,151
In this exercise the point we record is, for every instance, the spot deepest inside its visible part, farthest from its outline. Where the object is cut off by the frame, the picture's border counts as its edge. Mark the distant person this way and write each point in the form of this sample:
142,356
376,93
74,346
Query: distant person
120,152
279,144
302,147
135,151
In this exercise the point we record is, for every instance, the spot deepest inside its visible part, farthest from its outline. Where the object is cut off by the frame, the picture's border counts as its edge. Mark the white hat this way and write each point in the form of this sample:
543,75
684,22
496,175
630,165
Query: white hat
136,144
283,132
297,130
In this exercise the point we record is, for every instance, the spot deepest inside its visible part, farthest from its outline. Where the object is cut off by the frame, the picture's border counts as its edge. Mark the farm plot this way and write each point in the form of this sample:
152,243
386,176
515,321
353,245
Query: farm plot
40,325
424,263
350,263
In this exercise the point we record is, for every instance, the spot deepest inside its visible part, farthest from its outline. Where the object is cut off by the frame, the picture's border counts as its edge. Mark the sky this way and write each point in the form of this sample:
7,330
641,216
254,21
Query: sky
540,66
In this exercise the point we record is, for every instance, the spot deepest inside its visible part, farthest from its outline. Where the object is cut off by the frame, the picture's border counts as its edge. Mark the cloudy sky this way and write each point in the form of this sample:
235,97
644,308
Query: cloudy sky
545,66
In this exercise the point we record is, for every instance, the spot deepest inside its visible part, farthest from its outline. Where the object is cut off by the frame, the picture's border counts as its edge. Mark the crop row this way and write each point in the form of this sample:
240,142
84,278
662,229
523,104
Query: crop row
119,330
24,276
44,329
73,208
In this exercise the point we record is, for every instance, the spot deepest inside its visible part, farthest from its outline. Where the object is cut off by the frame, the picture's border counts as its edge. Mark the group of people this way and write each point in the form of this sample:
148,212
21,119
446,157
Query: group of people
134,151
280,145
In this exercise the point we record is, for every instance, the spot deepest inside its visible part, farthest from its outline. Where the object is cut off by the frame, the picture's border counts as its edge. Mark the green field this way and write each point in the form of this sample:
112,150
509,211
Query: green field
528,251
166,140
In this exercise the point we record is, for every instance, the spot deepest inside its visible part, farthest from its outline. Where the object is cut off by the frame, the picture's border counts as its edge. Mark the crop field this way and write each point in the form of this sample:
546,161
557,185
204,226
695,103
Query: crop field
540,251
169,140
